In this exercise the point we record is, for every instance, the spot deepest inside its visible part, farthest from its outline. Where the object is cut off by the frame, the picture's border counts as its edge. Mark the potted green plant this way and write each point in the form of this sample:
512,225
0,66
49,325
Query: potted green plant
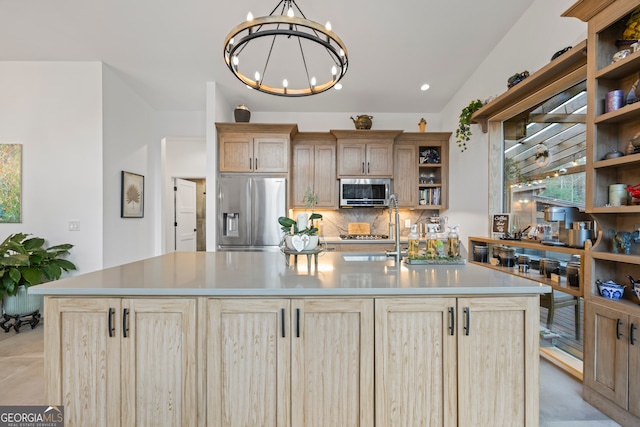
463,133
298,238
24,262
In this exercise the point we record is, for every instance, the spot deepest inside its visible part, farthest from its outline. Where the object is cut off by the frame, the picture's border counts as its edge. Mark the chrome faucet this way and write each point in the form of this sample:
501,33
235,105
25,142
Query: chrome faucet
393,203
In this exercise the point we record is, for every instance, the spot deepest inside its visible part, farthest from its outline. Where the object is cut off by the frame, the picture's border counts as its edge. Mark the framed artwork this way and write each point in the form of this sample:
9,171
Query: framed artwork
132,203
10,183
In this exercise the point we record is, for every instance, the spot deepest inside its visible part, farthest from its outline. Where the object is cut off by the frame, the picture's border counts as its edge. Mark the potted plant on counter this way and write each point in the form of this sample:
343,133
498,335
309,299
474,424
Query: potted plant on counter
24,262
298,235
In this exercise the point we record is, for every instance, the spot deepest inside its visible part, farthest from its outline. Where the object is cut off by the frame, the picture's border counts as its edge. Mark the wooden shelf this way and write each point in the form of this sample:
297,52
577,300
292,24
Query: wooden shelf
621,68
529,244
626,113
571,60
627,160
615,209
608,256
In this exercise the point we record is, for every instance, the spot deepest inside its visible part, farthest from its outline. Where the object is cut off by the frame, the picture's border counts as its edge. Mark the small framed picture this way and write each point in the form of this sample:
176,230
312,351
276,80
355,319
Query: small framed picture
132,202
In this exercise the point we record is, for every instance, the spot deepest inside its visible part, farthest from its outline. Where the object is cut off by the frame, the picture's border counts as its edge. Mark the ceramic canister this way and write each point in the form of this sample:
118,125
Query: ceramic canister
614,100
618,194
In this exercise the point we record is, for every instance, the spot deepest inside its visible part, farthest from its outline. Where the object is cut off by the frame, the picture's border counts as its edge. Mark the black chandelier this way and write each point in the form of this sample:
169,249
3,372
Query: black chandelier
290,30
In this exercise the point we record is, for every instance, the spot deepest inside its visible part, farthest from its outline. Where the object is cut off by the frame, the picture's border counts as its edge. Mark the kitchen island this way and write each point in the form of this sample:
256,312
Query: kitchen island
242,338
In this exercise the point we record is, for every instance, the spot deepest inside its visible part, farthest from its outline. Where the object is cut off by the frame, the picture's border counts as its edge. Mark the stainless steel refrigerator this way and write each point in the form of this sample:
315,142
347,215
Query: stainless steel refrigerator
248,212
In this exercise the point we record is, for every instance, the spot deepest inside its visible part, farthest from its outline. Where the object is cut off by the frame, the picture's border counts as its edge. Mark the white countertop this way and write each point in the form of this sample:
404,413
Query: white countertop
267,274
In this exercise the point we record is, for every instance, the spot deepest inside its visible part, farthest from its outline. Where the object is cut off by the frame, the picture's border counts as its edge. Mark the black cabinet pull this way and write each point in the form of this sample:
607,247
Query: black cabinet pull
250,163
618,324
452,321
282,319
467,320
362,167
256,163
125,322
632,339
112,329
368,168
297,322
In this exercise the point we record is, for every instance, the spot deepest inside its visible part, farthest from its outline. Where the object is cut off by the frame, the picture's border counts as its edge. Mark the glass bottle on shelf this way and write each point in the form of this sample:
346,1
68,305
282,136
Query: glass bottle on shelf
453,242
414,242
432,241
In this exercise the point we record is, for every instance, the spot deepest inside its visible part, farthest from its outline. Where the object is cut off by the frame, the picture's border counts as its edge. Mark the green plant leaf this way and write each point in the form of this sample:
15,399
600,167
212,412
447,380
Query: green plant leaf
32,275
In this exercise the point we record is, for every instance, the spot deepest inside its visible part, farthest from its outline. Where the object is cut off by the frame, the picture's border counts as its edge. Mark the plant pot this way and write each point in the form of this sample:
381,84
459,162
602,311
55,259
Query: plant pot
301,243
22,303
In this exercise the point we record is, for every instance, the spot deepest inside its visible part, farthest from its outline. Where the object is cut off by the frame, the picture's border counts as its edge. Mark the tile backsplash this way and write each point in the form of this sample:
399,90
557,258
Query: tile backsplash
334,222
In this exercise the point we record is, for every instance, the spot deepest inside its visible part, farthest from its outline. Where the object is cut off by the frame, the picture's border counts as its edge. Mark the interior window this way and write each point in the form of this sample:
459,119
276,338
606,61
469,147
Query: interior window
544,156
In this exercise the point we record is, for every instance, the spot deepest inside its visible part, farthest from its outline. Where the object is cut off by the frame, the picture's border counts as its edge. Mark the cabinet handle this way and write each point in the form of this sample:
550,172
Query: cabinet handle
362,167
282,319
467,320
256,163
297,323
112,329
618,324
632,339
250,163
452,321
368,168
125,322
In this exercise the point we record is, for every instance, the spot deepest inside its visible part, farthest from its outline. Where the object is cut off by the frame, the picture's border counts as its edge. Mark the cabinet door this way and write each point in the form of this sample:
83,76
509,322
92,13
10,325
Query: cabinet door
415,362
634,363
405,176
325,182
606,352
380,159
351,159
302,173
332,362
271,154
498,361
236,153
159,386
82,367
248,363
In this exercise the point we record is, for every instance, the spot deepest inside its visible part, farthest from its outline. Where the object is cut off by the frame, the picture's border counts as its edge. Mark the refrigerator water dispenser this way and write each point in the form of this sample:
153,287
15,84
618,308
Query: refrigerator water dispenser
230,224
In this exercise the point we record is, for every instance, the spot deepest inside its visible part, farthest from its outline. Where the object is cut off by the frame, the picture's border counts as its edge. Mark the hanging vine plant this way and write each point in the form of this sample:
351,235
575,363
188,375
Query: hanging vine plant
463,133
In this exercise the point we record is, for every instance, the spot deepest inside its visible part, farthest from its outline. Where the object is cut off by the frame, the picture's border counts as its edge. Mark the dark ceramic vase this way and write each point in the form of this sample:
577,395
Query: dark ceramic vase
242,114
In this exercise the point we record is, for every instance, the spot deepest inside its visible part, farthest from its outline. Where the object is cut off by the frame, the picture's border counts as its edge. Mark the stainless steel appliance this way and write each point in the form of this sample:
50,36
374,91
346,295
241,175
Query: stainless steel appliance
363,192
574,227
248,212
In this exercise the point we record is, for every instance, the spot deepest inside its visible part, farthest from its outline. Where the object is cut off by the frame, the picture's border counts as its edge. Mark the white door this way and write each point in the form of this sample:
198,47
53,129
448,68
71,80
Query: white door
185,208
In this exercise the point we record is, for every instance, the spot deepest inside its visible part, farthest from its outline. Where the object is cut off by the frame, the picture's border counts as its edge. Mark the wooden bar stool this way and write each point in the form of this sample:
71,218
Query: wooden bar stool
557,299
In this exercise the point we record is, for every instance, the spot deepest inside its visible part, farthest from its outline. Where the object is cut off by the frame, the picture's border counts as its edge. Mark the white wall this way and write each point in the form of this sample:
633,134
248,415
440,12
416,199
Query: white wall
128,146
322,122
182,157
529,45
54,109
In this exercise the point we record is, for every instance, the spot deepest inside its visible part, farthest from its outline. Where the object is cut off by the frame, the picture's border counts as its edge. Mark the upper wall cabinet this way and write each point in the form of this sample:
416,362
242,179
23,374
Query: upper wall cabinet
365,152
260,148
314,168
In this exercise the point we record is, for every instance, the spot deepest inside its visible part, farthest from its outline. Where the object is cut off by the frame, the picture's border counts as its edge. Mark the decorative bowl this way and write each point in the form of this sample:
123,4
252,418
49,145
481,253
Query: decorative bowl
610,289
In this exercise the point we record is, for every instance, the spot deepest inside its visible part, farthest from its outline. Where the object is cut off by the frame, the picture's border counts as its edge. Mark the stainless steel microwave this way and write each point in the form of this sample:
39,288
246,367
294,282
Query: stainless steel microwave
363,192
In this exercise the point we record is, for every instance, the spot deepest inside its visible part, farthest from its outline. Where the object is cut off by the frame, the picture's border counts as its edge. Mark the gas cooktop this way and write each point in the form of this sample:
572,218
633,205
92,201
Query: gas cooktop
364,237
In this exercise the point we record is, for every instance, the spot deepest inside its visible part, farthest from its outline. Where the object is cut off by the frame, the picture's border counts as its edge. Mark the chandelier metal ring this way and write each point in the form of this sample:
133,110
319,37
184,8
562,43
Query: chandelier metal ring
247,31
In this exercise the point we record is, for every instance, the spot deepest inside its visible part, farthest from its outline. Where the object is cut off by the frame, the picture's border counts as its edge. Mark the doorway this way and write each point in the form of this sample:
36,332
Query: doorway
190,214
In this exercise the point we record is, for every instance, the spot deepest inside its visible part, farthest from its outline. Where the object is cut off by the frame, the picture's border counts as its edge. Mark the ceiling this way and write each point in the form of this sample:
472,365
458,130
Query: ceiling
166,50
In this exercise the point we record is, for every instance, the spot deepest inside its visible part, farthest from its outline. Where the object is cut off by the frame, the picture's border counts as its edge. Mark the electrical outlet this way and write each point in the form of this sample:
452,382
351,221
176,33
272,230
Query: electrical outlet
407,223
74,225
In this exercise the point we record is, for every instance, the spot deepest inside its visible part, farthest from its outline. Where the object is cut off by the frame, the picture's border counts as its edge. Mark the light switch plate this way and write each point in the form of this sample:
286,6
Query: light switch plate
407,223
74,225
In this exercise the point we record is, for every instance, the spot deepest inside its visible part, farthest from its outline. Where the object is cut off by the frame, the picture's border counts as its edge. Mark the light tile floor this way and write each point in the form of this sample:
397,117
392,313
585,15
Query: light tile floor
22,379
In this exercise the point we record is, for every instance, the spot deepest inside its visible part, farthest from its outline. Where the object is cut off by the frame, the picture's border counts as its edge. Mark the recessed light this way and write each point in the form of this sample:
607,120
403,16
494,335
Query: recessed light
424,86
338,86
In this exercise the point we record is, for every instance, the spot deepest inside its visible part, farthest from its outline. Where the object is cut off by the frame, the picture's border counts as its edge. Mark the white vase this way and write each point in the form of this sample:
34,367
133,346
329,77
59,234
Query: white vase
309,244
21,303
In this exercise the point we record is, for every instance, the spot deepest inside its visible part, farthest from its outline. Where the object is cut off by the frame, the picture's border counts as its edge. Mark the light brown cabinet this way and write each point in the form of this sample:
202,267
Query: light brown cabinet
294,362
365,153
422,181
613,357
126,362
314,168
610,385
437,357
250,148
